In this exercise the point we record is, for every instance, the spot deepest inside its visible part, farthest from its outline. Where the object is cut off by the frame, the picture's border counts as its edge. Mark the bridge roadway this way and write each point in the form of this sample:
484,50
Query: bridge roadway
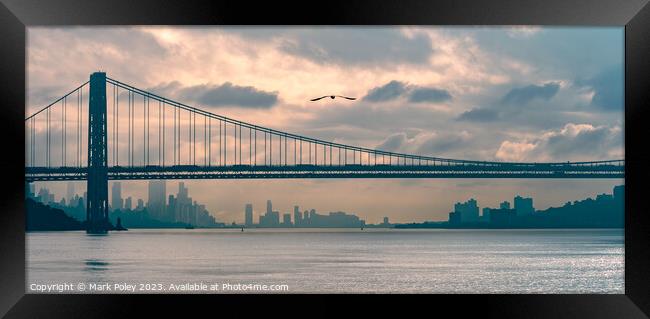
487,170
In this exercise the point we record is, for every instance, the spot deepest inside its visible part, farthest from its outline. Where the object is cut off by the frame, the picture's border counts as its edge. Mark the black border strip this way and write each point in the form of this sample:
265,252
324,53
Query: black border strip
634,14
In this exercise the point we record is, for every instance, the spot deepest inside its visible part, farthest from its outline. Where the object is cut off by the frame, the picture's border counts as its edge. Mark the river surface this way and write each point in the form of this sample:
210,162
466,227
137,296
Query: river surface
328,261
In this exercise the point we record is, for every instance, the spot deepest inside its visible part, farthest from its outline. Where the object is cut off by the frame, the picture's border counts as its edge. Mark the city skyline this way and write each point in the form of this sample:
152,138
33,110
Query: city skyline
470,202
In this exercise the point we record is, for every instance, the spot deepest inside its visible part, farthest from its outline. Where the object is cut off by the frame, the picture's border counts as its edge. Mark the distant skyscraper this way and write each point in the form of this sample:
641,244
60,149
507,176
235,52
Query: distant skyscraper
128,203
70,192
468,211
286,220
157,196
274,218
305,218
183,205
248,215
116,196
386,222
524,206
270,219
140,204
269,206
619,192
504,205
297,216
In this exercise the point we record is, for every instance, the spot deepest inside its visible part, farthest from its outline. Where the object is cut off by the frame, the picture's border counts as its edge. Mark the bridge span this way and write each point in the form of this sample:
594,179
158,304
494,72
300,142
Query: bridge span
133,134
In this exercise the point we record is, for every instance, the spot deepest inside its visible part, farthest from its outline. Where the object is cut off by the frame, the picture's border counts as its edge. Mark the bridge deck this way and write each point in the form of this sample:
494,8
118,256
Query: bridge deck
344,171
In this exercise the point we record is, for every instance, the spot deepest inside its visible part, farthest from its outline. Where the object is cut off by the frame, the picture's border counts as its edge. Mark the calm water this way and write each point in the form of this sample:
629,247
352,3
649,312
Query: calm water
335,260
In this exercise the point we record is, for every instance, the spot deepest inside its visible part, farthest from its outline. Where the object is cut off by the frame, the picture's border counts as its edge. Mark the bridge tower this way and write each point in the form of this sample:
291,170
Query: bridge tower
97,185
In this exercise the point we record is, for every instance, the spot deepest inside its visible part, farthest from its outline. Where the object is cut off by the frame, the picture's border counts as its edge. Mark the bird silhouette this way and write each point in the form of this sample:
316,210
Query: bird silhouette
332,97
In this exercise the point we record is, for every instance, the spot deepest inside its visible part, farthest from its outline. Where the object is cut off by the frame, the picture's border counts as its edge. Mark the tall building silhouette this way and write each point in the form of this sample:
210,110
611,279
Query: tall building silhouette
116,196
183,204
619,192
468,211
286,220
248,215
157,199
70,192
297,216
524,206
270,218
128,203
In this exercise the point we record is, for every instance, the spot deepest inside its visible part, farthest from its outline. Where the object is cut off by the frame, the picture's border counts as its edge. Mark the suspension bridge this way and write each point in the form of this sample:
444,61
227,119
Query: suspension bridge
127,133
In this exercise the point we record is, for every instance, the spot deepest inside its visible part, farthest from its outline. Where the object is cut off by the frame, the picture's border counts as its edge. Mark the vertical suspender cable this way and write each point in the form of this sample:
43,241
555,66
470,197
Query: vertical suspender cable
63,133
255,147
164,123
159,133
117,126
250,146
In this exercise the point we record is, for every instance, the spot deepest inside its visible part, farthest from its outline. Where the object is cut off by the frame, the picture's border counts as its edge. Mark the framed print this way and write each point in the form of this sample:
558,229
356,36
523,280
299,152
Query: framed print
202,151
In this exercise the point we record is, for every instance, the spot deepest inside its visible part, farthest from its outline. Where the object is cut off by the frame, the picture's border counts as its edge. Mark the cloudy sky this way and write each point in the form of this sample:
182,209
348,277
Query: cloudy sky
485,93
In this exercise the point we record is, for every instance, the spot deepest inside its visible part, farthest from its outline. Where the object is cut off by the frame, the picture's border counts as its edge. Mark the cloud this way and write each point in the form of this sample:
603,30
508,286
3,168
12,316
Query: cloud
523,32
557,52
438,144
608,87
582,140
575,142
514,151
357,46
45,95
416,94
226,94
393,142
508,109
429,95
523,95
389,91
479,115
442,144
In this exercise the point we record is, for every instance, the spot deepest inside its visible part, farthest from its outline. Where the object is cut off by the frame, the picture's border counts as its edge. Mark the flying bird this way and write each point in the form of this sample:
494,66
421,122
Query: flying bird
332,97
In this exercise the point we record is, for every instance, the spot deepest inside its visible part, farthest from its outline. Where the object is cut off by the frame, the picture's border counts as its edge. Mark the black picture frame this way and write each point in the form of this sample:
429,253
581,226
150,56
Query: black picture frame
16,15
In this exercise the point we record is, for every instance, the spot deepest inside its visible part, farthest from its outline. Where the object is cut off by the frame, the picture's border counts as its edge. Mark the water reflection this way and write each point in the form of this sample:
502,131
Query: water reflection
96,265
